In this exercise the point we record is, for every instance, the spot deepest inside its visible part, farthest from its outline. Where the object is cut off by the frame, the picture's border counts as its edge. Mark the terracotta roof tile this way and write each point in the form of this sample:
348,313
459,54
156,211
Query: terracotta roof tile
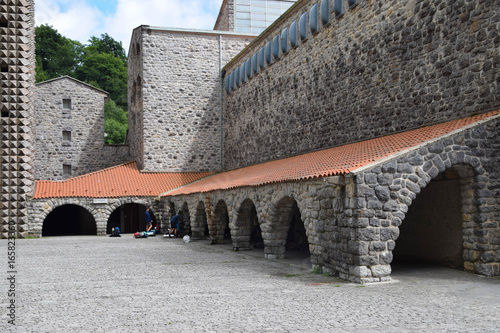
328,162
120,181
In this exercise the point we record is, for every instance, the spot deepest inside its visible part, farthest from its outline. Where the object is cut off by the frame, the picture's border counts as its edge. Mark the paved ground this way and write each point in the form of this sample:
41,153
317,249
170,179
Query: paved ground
103,284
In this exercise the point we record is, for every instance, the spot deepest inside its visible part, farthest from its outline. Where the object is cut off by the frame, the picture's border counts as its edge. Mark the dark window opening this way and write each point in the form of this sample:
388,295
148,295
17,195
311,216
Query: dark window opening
66,170
67,135
66,103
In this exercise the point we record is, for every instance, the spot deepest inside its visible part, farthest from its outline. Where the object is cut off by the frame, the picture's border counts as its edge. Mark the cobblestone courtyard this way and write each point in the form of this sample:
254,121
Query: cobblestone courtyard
102,284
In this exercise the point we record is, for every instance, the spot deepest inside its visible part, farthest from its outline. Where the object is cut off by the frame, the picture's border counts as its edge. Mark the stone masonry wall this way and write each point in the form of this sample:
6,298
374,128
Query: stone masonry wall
17,80
380,68
225,21
179,128
84,151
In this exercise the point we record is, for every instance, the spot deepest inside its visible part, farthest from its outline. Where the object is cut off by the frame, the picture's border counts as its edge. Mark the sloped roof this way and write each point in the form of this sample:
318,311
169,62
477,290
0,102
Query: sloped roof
124,180
65,77
328,162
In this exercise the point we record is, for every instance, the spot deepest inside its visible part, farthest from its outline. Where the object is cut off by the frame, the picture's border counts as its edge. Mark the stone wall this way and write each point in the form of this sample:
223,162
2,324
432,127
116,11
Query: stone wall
39,209
353,222
174,118
379,68
225,21
17,79
72,136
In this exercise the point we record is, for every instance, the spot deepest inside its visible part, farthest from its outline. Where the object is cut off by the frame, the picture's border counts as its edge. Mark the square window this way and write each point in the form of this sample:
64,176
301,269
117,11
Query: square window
67,135
67,104
66,170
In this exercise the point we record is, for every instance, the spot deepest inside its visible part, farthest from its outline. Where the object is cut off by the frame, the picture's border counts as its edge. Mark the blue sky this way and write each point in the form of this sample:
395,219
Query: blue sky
81,19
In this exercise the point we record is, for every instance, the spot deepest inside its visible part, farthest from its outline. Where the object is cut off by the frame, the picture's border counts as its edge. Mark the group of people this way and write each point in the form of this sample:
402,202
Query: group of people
176,224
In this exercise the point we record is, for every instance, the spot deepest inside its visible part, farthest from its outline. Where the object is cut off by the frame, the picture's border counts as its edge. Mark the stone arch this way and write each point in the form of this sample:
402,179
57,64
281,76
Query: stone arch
385,193
187,218
221,223
439,222
199,228
128,214
246,232
69,219
279,234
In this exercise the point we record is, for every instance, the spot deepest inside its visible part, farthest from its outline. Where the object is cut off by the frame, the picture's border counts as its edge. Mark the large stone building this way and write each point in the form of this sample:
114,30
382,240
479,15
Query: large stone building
360,132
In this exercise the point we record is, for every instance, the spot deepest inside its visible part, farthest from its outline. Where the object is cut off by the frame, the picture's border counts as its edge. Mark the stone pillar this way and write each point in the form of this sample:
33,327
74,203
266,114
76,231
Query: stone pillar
17,108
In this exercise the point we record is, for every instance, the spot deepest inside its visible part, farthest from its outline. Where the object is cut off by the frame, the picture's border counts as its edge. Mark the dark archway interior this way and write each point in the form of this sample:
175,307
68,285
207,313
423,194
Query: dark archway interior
69,220
432,232
129,218
223,222
296,240
256,236
187,219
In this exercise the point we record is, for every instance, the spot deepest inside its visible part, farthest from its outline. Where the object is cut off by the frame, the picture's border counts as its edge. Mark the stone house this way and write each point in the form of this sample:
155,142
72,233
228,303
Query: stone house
70,130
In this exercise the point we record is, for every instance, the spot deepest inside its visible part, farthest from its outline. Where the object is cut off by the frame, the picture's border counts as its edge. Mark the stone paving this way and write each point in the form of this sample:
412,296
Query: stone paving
103,284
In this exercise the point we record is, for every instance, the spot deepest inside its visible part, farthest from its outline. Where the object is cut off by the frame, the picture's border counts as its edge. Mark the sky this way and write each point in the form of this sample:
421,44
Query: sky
81,19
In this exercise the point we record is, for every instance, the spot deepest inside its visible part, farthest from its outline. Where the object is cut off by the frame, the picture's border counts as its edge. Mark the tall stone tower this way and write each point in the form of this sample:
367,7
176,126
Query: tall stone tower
17,76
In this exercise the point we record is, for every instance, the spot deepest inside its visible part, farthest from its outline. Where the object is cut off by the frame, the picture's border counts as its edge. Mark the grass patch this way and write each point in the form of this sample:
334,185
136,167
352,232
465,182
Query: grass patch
316,270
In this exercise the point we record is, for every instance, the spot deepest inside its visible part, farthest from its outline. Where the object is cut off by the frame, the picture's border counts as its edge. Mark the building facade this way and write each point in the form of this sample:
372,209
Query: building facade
70,130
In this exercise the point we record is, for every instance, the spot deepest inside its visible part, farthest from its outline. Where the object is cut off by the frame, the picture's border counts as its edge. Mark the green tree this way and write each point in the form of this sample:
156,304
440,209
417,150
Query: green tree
106,44
56,55
115,123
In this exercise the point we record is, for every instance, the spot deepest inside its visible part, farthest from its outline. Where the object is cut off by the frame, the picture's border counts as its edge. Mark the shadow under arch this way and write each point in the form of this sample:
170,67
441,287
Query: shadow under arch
129,217
437,222
187,219
247,233
199,227
288,235
68,220
221,223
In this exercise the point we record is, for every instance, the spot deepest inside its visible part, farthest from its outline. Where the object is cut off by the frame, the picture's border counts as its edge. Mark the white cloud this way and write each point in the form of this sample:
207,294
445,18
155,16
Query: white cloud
76,19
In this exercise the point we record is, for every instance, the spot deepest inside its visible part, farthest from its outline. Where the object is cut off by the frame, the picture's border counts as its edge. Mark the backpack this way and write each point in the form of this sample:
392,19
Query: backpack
115,232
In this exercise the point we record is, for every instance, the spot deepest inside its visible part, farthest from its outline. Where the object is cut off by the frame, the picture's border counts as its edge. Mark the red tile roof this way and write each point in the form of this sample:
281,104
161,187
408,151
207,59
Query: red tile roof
126,180
120,181
329,162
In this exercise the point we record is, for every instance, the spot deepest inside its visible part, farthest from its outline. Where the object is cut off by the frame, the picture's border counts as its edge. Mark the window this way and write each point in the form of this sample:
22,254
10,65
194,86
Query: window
337,7
313,18
66,169
66,135
284,40
303,26
276,46
325,12
293,34
67,104
255,16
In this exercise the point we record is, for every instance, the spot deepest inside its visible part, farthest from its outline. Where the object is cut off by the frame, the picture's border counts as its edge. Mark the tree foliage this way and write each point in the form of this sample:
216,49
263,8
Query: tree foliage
102,63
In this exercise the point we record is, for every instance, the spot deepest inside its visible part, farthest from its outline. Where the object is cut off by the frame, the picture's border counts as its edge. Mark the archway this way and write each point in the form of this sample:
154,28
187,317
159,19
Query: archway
129,218
69,220
199,228
221,221
247,228
187,219
288,234
432,231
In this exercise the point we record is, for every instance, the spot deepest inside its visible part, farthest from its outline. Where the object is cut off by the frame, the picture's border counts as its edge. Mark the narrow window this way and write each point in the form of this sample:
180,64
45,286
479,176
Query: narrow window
284,40
337,7
262,58
67,104
254,63
66,170
325,12
67,135
243,73
228,81
293,33
268,53
237,77
303,26
276,47
233,81
248,67
313,18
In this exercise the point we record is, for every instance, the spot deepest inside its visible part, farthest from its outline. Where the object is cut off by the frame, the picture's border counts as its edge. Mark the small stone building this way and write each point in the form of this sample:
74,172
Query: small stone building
70,130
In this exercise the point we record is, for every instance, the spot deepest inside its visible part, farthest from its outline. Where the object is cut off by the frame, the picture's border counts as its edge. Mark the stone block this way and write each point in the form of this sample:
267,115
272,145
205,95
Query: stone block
381,270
